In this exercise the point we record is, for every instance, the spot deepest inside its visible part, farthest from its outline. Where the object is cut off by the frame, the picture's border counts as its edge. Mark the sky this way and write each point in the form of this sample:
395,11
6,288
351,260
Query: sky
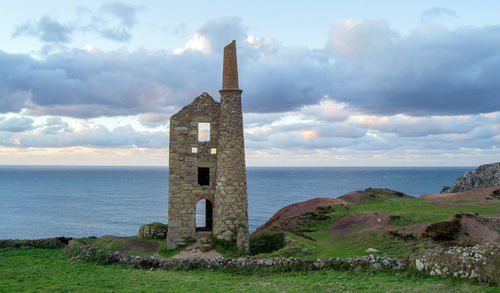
325,83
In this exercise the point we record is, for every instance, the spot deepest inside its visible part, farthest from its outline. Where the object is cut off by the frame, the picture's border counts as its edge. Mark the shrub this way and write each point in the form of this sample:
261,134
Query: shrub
266,242
443,231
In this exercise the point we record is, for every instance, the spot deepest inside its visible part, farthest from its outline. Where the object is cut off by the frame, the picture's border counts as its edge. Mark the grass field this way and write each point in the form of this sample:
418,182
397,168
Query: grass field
49,270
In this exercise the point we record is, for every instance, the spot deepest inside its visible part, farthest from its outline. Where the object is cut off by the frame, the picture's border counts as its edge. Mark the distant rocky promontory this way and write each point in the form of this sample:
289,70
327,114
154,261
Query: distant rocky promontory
487,175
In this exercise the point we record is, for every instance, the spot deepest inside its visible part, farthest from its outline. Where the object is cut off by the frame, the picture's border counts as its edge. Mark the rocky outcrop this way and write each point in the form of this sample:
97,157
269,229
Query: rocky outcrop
465,228
480,262
153,231
485,176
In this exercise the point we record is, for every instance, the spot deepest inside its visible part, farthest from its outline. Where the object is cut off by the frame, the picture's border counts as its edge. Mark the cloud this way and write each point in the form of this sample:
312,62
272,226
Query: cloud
366,67
430,71
222,30
126,14
114,22
119,35
56,133
15,124
434,12
46,30
327,110
180,30
154,119
407,126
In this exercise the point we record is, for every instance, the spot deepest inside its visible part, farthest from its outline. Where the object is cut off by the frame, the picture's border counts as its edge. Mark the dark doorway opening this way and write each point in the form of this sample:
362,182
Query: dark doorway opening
203,176
204,215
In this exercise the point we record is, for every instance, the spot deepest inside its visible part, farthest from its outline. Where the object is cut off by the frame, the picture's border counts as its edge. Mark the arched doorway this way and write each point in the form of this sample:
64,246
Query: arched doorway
204,215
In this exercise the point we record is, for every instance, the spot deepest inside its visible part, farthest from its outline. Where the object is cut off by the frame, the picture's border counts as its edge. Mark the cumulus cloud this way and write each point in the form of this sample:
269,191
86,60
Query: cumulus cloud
46,29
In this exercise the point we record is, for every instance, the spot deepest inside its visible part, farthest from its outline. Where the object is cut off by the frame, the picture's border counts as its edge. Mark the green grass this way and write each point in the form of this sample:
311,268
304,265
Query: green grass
46,270
419,211
407,211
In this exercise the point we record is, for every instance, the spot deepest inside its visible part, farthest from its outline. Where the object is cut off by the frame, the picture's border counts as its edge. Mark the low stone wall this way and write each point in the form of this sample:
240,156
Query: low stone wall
58,242
369,263
480,262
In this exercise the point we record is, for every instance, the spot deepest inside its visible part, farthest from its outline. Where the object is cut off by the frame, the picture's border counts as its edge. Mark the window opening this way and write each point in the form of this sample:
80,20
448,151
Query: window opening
213,151
203,131
194,150
203,176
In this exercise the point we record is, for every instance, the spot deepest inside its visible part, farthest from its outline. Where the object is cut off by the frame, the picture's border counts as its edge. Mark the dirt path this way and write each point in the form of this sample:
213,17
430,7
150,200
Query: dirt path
194,251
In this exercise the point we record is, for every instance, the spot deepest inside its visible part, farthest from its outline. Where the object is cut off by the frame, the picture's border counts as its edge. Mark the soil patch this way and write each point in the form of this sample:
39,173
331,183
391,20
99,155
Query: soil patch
356,224
288,218
194,251
478,229
478,195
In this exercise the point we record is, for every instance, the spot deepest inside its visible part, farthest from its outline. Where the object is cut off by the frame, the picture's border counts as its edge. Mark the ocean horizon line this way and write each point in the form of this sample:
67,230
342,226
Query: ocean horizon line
249,166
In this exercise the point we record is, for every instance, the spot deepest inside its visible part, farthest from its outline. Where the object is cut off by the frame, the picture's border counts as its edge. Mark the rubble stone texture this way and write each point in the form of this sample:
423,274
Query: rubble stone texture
487,175
227,189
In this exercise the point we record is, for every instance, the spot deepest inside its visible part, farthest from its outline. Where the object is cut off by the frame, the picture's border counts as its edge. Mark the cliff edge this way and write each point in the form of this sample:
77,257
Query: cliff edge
485,176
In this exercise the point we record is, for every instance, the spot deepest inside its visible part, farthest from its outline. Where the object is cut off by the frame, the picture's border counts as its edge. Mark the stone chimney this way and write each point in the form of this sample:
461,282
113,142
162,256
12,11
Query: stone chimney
231,204
230,67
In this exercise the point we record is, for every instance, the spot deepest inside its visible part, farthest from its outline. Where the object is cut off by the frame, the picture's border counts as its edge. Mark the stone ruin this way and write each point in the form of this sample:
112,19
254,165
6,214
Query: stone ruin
207,162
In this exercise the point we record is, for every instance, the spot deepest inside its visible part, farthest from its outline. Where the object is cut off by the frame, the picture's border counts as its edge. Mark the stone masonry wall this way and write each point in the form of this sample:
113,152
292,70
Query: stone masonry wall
184,190
230,67
231,204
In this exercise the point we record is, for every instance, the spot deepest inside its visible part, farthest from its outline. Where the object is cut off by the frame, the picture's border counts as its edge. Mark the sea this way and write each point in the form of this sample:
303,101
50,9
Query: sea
80,201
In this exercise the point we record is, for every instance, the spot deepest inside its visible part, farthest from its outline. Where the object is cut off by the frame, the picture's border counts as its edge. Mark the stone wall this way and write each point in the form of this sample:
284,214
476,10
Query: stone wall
276,264
184,190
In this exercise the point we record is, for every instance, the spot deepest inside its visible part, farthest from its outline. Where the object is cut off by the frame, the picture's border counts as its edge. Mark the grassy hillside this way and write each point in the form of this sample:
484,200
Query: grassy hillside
49,270
402,220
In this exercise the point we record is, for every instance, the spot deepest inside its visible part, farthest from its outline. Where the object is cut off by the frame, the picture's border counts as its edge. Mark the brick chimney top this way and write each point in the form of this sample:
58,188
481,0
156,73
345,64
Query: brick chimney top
230,67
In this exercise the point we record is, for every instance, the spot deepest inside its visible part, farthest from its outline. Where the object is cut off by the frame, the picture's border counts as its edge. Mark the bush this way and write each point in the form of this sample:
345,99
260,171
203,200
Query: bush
57,242
443,231
226,248
266,242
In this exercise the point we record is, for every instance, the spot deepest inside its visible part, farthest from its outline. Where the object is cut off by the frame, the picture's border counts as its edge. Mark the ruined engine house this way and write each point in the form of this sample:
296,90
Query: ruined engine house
207,162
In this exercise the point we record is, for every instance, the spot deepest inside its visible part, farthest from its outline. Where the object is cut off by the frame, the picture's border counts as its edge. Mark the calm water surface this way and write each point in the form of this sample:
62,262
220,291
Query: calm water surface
37,202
